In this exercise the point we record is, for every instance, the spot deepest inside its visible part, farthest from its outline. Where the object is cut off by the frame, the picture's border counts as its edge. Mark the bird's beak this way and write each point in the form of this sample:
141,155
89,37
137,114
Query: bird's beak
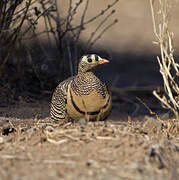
103,61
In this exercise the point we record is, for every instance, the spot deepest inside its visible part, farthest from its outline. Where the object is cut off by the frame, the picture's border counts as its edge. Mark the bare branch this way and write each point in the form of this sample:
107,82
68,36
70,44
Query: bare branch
166,62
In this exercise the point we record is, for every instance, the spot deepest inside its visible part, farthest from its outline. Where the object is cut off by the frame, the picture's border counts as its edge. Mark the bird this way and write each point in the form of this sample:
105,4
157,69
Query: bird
83,95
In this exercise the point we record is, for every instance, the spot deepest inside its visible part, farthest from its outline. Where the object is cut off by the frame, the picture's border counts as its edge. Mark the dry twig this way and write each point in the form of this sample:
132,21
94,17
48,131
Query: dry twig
166,61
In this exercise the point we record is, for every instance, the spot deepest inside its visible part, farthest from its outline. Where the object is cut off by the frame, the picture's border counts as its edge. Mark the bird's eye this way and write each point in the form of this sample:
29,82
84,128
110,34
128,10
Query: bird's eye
89,60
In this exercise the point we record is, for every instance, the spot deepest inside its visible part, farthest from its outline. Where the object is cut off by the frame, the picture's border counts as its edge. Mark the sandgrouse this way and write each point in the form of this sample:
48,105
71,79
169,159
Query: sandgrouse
83,95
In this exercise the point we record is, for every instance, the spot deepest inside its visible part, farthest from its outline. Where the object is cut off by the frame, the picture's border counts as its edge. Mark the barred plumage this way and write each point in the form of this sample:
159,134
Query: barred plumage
59,100
83,95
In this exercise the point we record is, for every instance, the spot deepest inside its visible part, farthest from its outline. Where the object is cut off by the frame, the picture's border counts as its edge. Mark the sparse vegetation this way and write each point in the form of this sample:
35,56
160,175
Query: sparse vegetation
137,147
169,67
19,24
131,144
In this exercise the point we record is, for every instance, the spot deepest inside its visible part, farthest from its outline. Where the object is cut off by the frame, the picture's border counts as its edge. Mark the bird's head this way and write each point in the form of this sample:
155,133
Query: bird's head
90,62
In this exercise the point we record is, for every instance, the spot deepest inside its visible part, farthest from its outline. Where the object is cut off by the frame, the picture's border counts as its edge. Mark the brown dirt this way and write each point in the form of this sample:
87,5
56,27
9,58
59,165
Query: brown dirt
32,147
123,147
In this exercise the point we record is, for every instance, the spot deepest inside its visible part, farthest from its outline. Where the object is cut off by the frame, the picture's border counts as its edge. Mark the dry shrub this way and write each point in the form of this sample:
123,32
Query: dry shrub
169,68
19,21
65,34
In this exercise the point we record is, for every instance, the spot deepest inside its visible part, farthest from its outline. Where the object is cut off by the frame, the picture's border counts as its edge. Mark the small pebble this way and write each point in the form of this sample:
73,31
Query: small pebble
30,131
90,173
99,123
83,121
152,123
92,163
1,140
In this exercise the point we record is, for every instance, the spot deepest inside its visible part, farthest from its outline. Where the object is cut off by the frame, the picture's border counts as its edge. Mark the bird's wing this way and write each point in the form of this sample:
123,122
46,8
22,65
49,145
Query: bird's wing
59,100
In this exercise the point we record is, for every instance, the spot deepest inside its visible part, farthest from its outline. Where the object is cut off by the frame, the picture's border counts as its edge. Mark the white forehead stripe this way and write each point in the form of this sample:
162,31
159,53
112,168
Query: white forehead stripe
84,57
99,58
93,56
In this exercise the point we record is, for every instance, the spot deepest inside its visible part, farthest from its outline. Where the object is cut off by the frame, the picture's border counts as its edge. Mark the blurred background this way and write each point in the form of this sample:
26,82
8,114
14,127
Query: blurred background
42,41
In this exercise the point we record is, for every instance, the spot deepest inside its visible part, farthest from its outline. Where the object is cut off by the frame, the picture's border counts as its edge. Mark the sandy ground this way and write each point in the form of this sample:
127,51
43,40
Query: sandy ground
131,145
134,147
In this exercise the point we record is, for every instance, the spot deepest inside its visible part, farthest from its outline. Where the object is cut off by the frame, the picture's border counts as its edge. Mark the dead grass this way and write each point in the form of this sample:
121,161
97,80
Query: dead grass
166,62
134,148
32,147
